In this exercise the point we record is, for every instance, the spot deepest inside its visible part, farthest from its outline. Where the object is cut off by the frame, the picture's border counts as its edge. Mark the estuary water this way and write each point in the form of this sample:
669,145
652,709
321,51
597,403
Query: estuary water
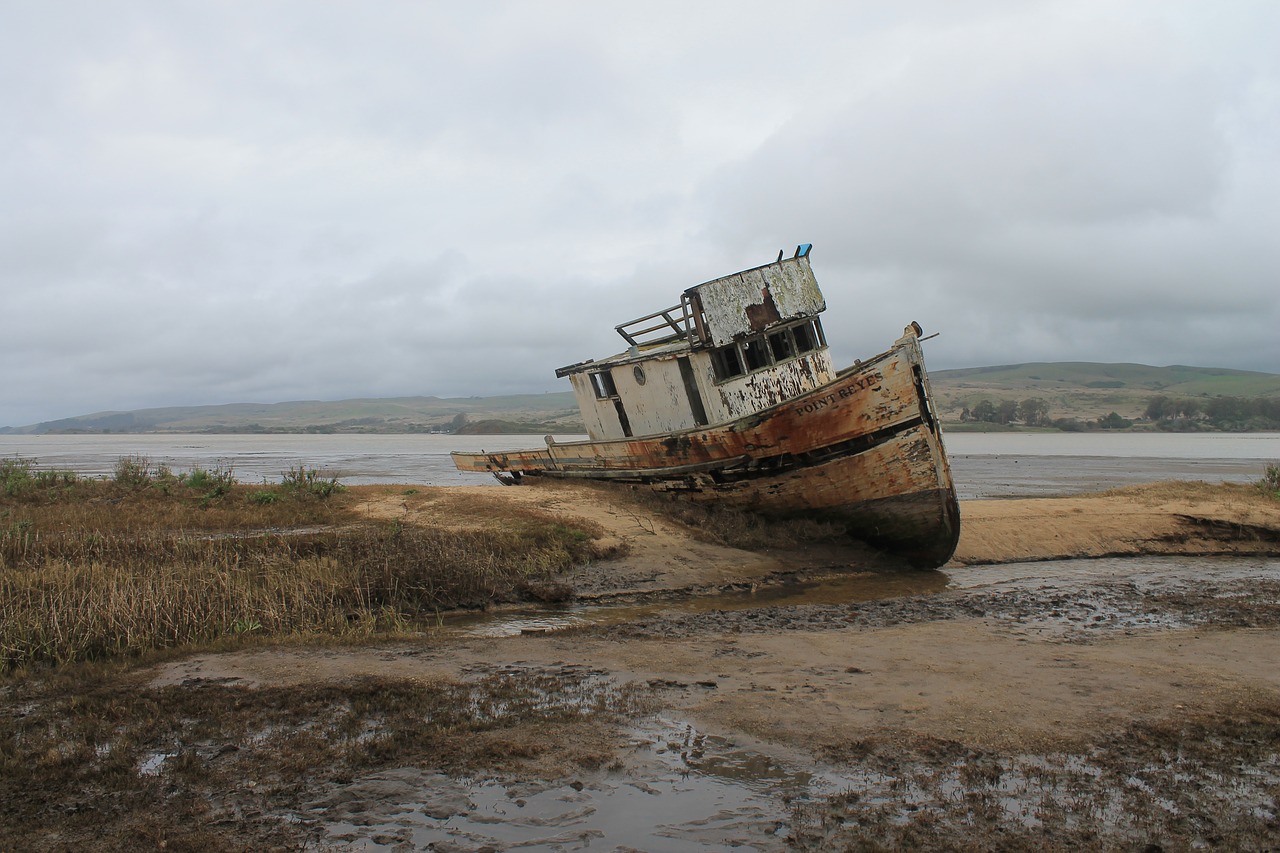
984,465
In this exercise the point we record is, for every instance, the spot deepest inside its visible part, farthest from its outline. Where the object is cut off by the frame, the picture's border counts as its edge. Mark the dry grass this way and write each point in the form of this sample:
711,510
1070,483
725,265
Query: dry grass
94,569
1189,491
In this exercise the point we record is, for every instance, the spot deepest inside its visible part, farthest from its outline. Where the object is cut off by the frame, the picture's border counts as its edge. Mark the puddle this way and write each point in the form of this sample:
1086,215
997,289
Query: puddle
684,790
153,763
841,589
1070,599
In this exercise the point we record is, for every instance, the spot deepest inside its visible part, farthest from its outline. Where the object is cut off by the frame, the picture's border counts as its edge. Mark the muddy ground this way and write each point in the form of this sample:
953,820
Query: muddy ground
1094,672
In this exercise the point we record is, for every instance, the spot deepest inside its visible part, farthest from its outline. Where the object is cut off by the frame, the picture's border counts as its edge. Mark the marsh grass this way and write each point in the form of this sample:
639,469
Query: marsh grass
93,569
1189,491
302,481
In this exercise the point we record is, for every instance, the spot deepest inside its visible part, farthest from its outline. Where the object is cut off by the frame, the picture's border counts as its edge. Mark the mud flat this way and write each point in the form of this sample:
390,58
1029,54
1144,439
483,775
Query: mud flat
1094,672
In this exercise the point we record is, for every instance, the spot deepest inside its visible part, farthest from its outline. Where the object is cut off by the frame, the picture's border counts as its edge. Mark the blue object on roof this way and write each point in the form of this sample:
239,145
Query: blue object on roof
803,250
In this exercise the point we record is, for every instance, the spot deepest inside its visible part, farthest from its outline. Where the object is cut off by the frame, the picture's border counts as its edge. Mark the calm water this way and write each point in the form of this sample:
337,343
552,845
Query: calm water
984,464
990,465
357,459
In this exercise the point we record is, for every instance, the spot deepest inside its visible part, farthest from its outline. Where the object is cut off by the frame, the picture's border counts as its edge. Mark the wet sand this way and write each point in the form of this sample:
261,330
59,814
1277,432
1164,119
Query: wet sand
1034,678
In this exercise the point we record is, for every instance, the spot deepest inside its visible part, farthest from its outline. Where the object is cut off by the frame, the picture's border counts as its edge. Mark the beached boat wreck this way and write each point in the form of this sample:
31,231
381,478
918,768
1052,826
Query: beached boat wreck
731,396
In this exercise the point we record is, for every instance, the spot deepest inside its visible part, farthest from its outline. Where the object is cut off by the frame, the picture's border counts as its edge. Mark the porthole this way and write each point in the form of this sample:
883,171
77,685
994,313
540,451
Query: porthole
638,372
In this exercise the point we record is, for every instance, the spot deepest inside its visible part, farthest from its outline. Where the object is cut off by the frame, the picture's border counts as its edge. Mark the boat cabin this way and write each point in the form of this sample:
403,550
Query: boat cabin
733,346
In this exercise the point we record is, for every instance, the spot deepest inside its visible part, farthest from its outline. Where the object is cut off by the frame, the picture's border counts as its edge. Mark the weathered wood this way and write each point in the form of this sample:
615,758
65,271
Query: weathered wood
789,436
864,449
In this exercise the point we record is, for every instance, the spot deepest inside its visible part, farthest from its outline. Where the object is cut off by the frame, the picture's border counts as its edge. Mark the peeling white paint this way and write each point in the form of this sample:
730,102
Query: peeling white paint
742,303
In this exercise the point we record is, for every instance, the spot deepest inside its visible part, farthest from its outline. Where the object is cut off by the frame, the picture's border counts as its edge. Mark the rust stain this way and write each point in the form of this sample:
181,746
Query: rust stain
764,314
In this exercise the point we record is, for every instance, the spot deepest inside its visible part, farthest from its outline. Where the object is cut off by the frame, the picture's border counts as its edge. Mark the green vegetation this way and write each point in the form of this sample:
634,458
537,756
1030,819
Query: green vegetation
1082,396
1270,482
93,569
1034,412
301,481
1177,379
498,426
1229,414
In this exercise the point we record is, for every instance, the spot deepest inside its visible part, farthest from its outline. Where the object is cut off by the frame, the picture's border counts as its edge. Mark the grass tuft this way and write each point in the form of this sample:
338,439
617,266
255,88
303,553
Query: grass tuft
1270,482
301,481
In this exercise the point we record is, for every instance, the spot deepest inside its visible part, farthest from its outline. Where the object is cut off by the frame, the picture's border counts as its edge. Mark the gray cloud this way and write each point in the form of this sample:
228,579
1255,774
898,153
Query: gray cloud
205,203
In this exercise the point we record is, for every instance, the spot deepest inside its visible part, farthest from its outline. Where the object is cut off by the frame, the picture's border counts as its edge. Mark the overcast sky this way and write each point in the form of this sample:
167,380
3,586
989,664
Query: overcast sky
211,202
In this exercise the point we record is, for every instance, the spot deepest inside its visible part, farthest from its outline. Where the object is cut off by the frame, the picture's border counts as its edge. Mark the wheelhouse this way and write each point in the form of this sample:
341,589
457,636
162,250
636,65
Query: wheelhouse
733,346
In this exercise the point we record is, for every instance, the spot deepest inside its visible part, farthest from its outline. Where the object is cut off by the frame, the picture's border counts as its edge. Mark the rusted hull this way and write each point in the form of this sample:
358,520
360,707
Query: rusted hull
864,449
889,494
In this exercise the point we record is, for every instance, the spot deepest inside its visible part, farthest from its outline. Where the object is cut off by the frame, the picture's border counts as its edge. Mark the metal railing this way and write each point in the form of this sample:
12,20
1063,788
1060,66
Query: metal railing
673,322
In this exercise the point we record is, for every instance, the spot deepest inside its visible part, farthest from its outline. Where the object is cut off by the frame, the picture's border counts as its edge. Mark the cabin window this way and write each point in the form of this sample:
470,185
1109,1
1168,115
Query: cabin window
756,353
781,346
761,351
808,336
602,382
725,362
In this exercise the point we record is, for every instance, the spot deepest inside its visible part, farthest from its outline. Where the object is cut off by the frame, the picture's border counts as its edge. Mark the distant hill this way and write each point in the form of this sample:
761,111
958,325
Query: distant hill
548,412
1082,389
1078,389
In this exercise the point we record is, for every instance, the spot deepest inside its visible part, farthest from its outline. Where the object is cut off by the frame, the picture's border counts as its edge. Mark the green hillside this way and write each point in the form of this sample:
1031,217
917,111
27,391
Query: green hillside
1089,390
1174,380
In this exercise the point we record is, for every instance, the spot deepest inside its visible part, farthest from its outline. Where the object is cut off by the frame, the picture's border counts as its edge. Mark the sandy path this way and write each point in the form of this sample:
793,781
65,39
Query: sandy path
1155,519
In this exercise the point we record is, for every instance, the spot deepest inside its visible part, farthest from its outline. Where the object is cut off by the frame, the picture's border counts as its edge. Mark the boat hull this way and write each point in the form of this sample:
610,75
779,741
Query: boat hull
864,450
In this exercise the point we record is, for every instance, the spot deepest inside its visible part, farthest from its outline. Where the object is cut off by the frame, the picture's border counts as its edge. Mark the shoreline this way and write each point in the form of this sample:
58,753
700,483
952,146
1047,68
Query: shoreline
665,555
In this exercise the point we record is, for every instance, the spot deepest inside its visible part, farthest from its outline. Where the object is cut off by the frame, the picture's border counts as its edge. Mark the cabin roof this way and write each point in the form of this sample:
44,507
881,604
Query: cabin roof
649,352
718,312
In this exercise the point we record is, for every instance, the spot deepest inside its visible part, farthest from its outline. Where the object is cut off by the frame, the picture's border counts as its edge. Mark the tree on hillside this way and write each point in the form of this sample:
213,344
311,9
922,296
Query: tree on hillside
1034,411
1162,408
1229,409
1114,421
1007,411
984,410
1158,408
